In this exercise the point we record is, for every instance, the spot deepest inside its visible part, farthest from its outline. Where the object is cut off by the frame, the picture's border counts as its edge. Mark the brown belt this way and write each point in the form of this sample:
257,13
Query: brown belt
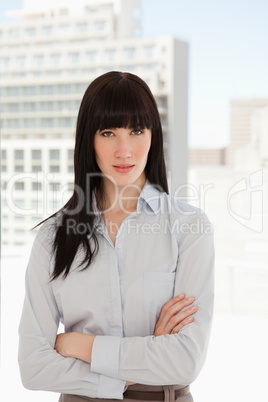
154,395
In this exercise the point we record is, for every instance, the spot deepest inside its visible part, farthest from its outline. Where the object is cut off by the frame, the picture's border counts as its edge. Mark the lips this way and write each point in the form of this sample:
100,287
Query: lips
123,168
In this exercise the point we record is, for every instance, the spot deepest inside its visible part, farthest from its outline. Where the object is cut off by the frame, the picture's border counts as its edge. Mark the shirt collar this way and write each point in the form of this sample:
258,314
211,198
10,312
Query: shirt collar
149,195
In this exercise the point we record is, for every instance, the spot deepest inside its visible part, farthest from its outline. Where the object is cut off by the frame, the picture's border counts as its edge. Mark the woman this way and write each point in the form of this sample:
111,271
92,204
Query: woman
120,265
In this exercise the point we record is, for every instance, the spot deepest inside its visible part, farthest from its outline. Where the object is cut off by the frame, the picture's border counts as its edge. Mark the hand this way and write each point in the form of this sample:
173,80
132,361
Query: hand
130,383
75,344
172,319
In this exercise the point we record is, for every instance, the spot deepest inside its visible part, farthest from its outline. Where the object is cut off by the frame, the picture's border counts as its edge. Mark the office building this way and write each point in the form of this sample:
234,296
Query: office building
47,60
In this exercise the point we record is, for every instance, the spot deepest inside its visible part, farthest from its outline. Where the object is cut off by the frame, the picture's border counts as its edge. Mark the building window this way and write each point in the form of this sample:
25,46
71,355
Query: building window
81,27
36,168
73,58
54,154
129,53
36,154
36,186
47,106
70,154
3,154
64,30
47,89
66,88
30,32
19,218
110,54
30,91
47,122
149,51
47,30
91,57
19,154
18,168
21,61
29,107
30,123
99,25
38,60
55,59
64,11
4,62
19,185
54,169
13,33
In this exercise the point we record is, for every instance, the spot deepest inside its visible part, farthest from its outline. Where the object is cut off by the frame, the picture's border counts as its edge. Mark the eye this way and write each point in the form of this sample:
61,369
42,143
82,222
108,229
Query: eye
137,132
107,134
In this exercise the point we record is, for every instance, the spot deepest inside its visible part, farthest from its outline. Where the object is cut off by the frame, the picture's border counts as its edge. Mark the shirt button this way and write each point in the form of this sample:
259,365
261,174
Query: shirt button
119,246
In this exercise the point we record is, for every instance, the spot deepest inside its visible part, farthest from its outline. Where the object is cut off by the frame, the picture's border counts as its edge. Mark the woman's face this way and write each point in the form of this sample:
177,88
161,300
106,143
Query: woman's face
122,154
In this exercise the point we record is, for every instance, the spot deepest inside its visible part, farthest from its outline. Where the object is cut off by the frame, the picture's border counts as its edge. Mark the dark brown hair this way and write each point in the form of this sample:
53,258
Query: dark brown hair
112,100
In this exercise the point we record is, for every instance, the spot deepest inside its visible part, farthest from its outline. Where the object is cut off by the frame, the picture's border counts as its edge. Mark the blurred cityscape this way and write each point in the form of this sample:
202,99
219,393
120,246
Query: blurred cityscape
47,60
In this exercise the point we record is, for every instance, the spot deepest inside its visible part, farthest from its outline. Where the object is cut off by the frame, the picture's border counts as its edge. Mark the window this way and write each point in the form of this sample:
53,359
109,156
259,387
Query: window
18,168
14,107
149,51
3,154
47,122
36,168
36,154
64,11
13,33
19,185
66,88
91,57
81,27
99,25
73,58
30,90
36,186
19,218
54,154
19,154
30,122
110,54
30,32
29,106
70,154
64,30
38,60
129,53
54,168
47,89
47,30
55,59
4,62
47,106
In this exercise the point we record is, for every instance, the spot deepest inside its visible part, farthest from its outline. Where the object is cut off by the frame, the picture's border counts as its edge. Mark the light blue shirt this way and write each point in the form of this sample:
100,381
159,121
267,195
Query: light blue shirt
162,249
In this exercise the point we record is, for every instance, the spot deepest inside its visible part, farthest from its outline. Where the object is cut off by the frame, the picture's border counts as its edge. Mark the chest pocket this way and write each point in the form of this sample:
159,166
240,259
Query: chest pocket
158,289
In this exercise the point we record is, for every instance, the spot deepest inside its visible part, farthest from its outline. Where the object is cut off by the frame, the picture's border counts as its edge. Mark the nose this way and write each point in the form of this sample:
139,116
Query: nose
123,149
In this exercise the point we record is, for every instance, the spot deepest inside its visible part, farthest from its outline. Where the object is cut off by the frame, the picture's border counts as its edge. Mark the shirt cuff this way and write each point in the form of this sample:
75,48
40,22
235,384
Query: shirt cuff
105,355
111,388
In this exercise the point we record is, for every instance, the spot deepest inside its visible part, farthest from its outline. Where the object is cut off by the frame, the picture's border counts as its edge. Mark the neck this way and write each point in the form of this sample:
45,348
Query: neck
122,199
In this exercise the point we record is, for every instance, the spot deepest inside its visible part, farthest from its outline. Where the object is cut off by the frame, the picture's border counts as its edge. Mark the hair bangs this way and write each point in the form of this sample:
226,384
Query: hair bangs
124,105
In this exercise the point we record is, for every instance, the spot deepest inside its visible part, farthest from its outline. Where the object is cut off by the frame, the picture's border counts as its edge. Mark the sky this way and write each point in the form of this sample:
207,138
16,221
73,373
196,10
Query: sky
228,57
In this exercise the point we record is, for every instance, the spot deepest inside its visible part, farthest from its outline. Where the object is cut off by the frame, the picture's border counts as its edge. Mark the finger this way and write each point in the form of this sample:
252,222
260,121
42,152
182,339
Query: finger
173,309
182,324
177,318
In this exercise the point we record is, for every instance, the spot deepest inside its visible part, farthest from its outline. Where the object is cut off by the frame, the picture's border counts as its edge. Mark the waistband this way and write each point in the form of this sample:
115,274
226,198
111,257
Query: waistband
156,393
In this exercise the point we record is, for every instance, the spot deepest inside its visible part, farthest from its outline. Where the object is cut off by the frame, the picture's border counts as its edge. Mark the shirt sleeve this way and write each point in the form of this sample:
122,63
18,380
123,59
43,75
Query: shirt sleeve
41,367
176,358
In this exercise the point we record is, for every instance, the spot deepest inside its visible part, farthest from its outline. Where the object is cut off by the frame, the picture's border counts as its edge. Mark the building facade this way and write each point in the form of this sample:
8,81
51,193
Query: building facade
47,60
